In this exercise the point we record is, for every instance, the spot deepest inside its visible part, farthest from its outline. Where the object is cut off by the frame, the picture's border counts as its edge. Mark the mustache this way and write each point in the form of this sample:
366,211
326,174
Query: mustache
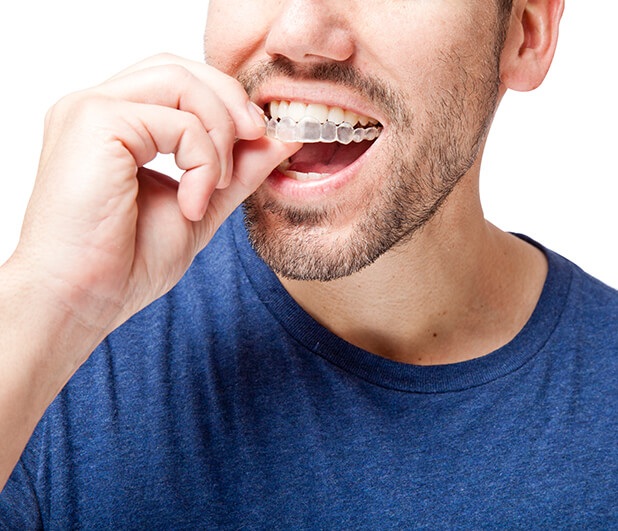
388,100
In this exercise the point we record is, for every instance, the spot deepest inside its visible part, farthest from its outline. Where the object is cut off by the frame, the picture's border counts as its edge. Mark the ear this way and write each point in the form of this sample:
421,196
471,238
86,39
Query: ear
530,43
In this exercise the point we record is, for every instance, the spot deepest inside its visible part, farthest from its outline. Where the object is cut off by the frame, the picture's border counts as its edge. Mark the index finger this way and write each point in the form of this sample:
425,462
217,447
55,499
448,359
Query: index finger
228,90
173,85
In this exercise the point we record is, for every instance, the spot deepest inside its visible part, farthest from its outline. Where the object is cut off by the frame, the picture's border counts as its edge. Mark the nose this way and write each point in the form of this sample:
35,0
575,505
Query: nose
310,31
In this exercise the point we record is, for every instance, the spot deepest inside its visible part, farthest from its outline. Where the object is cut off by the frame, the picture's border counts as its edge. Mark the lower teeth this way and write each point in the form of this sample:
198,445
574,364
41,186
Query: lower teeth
300,176
310,130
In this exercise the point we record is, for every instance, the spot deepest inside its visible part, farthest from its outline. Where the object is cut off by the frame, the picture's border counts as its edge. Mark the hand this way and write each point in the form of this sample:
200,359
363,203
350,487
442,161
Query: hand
106,236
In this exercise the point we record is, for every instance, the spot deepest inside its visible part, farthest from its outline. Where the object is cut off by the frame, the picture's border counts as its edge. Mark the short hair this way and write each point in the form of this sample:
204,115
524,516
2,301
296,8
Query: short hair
504,15
505,6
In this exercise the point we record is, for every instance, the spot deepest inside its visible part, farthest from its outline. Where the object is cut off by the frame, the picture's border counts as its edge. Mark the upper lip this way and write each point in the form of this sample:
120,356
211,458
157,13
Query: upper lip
316,92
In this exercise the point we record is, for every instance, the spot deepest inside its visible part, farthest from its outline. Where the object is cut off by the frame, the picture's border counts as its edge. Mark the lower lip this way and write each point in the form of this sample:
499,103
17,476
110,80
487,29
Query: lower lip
317,189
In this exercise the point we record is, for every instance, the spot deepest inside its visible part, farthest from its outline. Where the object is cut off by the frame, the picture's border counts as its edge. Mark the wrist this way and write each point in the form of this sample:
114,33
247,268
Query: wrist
41,347
41,326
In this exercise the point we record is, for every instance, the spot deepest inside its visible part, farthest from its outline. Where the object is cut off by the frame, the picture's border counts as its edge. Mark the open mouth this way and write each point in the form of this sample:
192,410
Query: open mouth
334,137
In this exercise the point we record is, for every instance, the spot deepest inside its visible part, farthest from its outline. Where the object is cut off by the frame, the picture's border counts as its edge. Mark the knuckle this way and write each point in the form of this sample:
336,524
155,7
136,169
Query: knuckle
192,122
49,116
84,106
164,58
61,109
176,74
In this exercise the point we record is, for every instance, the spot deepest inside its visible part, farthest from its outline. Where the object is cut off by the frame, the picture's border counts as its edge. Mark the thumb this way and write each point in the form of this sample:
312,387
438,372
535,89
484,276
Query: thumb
253,163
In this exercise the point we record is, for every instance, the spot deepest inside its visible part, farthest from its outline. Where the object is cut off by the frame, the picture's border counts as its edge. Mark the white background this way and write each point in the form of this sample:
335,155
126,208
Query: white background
550,166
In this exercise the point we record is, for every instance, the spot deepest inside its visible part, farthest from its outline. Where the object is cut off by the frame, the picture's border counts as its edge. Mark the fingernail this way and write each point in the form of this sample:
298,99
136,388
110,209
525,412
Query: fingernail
257,115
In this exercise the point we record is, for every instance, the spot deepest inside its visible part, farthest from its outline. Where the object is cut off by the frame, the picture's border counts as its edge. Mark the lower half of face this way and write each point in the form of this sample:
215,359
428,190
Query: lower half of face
334,208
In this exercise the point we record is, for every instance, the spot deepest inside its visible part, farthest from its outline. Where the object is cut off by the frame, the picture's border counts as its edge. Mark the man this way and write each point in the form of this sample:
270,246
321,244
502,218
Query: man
395,360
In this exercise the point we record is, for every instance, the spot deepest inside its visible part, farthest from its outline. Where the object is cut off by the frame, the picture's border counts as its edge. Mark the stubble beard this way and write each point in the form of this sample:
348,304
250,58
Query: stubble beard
427,158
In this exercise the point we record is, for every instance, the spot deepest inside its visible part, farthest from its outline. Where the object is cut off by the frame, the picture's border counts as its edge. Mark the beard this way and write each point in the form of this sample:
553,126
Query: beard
424,157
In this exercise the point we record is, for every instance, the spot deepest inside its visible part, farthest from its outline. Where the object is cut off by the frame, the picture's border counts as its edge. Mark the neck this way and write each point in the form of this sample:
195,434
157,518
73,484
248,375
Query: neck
459,289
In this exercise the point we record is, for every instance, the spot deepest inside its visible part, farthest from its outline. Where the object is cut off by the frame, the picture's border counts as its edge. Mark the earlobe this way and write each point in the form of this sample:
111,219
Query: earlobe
530,43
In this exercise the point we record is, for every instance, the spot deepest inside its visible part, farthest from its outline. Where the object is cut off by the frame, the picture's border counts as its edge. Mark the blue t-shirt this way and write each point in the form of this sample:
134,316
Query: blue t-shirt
224,405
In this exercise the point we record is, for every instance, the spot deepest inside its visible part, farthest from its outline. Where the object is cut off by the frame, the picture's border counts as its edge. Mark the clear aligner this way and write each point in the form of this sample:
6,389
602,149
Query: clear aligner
311,130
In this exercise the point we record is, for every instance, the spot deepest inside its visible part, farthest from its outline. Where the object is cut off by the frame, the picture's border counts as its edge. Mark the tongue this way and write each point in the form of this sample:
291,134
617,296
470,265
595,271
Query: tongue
326,158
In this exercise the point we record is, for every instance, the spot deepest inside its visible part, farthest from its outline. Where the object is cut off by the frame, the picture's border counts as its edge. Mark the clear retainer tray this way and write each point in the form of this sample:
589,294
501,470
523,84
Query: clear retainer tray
311,130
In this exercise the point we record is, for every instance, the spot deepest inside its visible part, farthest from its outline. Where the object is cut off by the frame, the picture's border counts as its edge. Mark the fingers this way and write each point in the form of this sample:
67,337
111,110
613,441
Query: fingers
218,100
229,90
152,129
254,161
175,131
170,105
224,108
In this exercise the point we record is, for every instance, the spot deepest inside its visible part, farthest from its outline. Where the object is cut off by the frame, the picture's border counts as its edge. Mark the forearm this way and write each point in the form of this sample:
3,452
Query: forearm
41,345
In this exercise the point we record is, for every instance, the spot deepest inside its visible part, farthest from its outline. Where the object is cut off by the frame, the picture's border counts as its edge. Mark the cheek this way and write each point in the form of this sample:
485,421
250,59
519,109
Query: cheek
414,40
235,30
407,50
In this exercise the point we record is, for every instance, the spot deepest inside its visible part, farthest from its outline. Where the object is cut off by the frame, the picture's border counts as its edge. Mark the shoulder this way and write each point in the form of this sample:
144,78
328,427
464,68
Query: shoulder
580,323
586,336
593,304
583,300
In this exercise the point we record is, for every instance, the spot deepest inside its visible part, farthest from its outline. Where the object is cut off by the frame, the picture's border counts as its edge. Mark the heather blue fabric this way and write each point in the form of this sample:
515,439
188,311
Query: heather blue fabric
224,405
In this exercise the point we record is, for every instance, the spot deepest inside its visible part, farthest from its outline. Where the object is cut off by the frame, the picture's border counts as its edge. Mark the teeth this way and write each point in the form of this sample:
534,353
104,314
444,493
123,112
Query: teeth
351,118
274,109
336,115
298,110
283,109
300,122
309,130
300,176
317,111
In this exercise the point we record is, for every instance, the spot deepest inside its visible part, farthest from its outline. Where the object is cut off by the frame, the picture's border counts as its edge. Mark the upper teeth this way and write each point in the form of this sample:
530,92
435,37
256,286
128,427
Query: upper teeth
323,113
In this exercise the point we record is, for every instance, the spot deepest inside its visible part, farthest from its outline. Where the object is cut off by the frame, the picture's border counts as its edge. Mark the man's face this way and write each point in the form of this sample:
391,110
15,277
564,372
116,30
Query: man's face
427,71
